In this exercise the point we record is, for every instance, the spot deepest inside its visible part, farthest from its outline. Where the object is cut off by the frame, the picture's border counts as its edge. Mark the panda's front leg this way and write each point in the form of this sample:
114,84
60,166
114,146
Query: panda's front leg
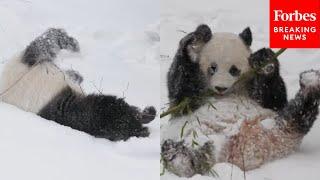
267,87
302,111
185,161
46,47
185,79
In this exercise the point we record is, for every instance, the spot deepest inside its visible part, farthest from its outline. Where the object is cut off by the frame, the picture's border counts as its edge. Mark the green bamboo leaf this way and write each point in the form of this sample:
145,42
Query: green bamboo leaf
214,173
198,120
194,134
182,129
211,105
163,171
195,142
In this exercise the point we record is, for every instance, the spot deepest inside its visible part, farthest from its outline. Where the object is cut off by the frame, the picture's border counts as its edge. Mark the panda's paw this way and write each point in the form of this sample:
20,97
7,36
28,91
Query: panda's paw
310,78
177,158
46,47
170,148
148,114
266,70
74,76
261,60
310,82
64,41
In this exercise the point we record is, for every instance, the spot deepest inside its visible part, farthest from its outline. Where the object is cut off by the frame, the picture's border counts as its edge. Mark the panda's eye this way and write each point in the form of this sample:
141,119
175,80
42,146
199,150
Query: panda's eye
234,71
213,69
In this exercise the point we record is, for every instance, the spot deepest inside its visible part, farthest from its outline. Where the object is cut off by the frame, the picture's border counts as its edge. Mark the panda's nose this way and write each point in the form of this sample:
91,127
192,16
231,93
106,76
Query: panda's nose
220,89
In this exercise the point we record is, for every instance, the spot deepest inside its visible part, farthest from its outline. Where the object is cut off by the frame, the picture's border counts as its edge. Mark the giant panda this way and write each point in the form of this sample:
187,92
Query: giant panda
247,123
32,81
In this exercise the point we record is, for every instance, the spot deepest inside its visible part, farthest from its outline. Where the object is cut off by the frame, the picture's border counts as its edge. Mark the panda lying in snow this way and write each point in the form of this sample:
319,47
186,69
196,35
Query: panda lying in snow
253,122
32,82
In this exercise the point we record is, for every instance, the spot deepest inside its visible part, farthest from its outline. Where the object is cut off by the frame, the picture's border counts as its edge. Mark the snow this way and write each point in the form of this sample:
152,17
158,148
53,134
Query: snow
179,16
119,42
268,123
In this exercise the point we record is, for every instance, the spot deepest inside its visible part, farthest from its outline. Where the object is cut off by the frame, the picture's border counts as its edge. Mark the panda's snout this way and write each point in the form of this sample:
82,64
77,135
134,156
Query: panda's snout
220,89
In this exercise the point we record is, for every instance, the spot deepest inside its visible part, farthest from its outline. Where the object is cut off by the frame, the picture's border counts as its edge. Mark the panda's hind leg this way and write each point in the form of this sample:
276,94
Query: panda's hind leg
185,161
99,115
114,118
302,111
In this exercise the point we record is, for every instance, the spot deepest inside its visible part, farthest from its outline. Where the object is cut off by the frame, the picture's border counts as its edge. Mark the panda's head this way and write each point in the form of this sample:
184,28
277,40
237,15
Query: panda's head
222,57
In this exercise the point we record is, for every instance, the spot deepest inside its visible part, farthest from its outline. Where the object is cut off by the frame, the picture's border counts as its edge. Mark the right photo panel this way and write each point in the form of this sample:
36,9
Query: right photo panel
240,89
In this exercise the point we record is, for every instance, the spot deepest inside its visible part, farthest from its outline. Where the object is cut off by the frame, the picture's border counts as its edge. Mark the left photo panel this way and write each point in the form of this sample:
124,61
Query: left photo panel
79,89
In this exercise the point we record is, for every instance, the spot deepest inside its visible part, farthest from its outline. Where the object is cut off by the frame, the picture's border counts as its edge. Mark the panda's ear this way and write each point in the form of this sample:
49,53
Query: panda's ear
246,36
203,33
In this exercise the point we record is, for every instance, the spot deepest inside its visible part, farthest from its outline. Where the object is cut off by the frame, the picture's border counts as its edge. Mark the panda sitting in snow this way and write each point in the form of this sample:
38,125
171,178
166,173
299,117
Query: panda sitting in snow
246,124
33,82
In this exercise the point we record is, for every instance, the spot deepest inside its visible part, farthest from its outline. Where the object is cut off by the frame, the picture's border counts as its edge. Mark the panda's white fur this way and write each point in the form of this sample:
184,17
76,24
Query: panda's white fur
225,50
32,88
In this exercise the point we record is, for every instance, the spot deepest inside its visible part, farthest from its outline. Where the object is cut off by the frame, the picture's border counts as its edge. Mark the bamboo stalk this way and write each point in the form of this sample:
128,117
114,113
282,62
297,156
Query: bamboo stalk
182,105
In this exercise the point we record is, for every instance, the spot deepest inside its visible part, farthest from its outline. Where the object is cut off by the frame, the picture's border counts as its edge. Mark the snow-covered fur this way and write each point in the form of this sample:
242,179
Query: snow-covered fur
246,124
33,82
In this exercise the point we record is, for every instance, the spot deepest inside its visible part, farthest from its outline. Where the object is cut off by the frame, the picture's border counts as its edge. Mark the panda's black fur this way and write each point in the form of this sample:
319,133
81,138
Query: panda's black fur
99,115
185,79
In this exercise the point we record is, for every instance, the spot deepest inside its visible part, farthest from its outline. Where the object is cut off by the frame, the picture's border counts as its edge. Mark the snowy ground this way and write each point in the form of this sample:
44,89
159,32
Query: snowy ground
234,16
119,42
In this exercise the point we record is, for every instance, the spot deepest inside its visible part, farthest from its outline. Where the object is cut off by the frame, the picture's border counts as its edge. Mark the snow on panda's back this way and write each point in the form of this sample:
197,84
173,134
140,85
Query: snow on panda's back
225,115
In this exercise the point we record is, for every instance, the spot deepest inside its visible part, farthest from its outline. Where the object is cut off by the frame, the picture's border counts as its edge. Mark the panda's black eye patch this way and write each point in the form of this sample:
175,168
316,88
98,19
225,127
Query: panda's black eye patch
213,69
234,71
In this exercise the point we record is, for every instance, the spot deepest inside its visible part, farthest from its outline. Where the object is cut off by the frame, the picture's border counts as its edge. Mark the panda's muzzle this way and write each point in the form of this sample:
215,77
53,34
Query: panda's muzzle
220,89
